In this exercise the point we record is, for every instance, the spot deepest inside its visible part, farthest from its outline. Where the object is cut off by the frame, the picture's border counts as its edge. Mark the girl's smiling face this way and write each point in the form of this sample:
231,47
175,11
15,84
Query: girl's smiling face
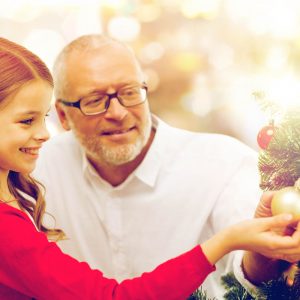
22,126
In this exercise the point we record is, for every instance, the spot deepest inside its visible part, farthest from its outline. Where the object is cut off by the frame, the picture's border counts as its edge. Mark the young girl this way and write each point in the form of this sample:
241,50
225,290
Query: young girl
33,267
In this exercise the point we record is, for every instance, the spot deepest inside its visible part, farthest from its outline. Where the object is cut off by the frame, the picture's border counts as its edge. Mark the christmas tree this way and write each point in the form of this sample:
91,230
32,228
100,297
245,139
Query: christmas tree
279,166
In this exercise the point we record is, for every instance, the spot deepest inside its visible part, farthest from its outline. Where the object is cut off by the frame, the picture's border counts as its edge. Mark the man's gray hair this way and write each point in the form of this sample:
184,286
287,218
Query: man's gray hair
82,44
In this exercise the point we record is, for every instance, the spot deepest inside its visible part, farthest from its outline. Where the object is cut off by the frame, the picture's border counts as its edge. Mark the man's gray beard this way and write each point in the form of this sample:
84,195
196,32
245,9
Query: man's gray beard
117,155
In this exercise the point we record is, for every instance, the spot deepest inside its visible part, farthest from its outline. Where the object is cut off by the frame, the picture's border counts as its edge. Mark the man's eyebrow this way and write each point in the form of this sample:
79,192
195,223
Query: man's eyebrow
102,90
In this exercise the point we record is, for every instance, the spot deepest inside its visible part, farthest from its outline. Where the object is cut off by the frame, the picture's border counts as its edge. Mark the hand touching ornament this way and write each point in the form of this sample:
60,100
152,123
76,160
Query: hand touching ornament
287,200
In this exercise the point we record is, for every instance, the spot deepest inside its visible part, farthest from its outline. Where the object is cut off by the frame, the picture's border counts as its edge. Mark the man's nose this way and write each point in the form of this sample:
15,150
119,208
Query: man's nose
115,110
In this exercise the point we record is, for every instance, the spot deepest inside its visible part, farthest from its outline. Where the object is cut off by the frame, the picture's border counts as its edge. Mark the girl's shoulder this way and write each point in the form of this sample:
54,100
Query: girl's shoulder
8,213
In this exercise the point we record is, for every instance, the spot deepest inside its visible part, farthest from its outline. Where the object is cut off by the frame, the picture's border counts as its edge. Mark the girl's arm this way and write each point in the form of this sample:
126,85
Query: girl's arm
38,268
273,266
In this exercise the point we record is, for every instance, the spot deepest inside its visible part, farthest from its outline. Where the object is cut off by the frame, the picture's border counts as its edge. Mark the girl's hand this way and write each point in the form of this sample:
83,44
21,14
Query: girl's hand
265,236
262,235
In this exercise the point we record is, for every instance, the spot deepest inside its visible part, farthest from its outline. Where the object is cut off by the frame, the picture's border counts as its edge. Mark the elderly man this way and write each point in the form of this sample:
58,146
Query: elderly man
129,190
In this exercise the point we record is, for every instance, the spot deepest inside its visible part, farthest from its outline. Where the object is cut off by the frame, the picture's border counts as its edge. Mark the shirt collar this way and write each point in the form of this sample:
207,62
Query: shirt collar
148,170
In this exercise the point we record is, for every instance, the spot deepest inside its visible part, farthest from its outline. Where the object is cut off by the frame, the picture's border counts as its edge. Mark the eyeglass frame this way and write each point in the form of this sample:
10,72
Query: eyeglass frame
107,102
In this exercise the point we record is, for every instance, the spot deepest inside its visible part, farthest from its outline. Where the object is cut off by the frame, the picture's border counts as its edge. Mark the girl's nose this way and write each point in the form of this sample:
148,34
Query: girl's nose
42,134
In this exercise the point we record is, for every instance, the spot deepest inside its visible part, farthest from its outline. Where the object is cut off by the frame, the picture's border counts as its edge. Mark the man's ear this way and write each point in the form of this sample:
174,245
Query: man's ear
62,116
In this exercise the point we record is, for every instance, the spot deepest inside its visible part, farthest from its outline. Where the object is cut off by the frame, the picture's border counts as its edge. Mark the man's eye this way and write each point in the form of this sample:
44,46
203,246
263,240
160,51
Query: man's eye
27,121
94,101
131,92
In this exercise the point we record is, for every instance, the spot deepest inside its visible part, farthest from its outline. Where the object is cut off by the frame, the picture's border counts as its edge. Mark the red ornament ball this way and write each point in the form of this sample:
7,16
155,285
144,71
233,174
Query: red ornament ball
265,135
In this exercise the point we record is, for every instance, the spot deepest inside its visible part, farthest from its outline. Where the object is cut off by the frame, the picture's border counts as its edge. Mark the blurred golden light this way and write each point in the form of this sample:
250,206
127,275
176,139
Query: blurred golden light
277,58
283,89
114,4
20,11
151,52
82,20
66,3
181,40
198,104
170,3
221,56
201,106
207,9
187,61
124,28
199,100
284,20
266,17
148,12
152,79
45,43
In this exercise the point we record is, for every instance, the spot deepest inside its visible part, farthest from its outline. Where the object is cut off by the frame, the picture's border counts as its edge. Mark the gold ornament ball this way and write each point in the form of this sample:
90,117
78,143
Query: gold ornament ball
287,200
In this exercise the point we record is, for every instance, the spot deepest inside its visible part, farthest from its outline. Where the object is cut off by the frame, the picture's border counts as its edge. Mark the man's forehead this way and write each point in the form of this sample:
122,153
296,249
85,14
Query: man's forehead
107,49
113,60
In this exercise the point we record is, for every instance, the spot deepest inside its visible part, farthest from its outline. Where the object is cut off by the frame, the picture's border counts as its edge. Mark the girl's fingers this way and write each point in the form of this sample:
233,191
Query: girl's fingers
281,220
289,245
273,236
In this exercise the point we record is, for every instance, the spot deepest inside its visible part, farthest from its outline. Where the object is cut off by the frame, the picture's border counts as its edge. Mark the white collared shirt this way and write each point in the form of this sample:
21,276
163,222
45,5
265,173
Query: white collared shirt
189,186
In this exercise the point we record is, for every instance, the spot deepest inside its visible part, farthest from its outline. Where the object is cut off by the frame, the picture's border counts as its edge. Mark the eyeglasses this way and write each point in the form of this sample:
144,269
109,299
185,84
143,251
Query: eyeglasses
99,102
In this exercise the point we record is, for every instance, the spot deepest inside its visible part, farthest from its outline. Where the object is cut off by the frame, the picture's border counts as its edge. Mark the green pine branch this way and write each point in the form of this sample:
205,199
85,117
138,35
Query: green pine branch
234,290
279,166
271,290
199,294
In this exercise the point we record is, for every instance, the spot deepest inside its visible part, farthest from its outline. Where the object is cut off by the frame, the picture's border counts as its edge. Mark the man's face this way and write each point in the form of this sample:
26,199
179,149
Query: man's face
118,135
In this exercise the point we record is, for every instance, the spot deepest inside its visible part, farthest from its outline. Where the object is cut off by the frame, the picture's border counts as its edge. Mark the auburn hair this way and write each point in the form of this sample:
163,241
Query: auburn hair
20,66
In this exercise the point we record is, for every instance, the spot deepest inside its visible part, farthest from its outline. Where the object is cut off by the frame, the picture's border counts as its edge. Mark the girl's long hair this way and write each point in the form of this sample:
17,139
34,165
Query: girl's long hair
19,66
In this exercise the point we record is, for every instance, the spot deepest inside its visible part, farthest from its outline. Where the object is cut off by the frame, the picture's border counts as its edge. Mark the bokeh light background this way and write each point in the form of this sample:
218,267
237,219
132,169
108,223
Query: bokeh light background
203,58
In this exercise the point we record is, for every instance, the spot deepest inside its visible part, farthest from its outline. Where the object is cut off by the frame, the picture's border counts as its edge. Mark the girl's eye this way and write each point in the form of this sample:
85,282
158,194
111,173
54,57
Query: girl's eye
27,121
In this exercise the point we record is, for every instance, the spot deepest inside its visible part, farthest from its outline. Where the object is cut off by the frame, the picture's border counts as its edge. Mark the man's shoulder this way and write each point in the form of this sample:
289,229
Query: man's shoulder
213,143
